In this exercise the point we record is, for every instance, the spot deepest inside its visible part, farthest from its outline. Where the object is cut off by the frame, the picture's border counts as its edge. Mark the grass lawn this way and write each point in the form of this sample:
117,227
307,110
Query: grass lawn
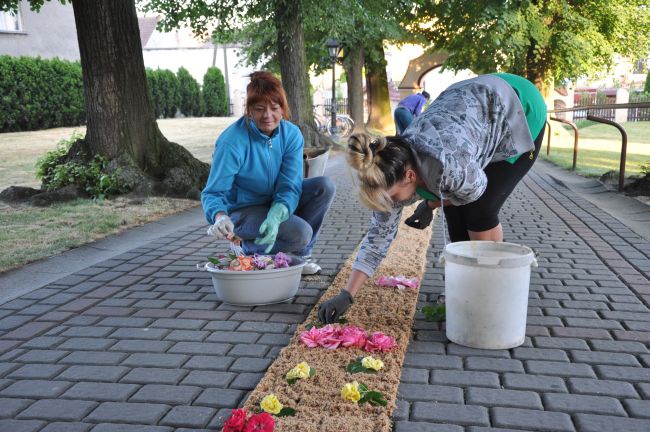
32,233
599,147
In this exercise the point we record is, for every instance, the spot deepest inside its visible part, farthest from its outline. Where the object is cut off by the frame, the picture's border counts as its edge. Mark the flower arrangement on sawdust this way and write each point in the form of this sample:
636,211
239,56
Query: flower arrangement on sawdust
247,263
360,394
300,371
367,364
332,337
238,422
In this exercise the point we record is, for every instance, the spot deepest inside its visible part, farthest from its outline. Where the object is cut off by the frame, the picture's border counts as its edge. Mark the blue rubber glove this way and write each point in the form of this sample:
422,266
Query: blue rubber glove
277,214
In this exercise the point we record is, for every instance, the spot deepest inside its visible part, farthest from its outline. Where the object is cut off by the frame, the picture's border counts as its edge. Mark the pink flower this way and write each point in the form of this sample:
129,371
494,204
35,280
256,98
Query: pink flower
380,342
400,282
352,336
329,337
236,421
311,337
281,260
262,422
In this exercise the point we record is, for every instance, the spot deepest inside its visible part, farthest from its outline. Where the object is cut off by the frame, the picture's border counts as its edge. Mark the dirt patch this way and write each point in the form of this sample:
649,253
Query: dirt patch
317,400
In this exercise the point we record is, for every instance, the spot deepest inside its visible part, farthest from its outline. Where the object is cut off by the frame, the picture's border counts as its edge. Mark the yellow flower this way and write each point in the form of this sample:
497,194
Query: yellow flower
301,370
271,404
350,391
372,363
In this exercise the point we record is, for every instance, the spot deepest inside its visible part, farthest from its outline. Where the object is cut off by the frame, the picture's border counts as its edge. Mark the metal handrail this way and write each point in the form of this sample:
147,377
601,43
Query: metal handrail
621,174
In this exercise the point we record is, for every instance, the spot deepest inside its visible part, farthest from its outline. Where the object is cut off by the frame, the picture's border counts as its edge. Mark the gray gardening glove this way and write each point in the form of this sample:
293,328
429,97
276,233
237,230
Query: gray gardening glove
421,217
223,228
331,310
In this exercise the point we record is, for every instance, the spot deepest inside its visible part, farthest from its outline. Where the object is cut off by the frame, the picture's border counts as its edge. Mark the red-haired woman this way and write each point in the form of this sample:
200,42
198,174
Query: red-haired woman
256,189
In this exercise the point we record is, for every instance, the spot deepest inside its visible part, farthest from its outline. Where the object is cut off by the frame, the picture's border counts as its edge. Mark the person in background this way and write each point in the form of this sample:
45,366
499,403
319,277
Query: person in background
466,153
256,191
409,108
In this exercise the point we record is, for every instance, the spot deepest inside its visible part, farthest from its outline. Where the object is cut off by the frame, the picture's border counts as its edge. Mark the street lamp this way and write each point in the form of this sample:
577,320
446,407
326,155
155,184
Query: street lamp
333,48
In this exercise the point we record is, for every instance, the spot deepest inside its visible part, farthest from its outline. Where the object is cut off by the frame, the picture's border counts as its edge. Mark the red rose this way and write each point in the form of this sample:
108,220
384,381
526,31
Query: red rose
262,422
236,421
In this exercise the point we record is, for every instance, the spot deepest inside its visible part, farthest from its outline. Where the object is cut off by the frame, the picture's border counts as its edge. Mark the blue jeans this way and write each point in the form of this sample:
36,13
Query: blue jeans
296,235
403,119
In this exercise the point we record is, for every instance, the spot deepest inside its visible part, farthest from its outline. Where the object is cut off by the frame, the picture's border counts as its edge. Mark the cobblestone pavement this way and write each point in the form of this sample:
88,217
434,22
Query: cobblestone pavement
140,343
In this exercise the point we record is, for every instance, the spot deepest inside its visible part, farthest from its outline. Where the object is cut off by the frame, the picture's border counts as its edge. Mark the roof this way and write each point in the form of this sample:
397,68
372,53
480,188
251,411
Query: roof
147,26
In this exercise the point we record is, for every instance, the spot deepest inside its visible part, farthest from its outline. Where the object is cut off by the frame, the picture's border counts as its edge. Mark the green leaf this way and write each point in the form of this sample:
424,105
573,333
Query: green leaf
363,388
214,260
342,320
434,313
312,371
286,412
292,381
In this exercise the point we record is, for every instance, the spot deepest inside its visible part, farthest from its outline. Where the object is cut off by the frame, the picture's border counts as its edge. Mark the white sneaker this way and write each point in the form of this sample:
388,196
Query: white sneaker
310,267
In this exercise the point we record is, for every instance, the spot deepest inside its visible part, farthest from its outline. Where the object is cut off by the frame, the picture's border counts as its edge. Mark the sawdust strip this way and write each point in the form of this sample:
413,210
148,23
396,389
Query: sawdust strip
317,400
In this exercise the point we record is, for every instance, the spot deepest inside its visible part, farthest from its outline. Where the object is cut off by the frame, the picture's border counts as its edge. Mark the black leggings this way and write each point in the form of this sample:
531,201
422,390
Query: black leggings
483,214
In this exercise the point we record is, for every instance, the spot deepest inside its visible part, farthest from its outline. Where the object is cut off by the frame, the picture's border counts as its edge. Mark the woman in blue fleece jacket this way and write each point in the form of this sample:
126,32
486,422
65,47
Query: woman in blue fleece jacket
256,189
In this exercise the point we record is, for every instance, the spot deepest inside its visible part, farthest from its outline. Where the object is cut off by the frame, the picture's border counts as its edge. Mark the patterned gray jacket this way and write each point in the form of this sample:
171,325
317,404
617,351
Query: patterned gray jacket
471,124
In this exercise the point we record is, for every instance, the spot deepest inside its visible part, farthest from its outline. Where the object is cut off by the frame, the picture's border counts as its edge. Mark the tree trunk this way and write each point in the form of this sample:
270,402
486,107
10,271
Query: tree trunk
354,71
121,123
293,68
379,112
539,74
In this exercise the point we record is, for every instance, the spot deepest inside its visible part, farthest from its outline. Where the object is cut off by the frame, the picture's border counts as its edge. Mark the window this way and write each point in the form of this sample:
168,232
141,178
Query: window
10,21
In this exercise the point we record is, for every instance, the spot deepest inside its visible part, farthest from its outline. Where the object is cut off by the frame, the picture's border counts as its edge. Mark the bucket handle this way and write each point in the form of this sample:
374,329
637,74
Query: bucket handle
488,260
202,267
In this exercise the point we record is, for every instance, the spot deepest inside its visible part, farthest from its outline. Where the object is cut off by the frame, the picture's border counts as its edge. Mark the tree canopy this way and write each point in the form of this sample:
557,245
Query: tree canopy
539,39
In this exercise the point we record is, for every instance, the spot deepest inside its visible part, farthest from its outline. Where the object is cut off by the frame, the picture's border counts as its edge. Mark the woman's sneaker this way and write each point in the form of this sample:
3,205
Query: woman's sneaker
310,267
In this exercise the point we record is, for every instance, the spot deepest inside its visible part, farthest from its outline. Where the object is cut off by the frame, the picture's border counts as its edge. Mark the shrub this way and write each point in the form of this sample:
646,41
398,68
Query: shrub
214,93
164,92
646,88
96,178
39,94
190,94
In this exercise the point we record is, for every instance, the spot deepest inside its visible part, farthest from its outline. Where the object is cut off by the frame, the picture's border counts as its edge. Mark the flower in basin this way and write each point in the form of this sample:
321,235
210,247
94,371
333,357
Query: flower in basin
261,422
281,260
350,392
380,342
370,362
271,404
311,337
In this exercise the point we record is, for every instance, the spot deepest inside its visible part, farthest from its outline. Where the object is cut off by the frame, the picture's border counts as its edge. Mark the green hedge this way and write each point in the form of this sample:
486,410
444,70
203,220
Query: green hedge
164,91
214,93
40,94
191,102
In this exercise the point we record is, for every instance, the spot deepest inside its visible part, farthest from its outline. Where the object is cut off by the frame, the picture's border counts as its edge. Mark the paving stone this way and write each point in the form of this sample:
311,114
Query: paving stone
93,358
275,339
155,360
250,364
617,389
619,346
58,410
102,392
42,356
539,383
402,410
35,389
218,398
209,362
20,425
234,337
187,335
246,380
67,427
43,342
493,364
571,403
116,412
624,373
430,393
188,416
37,371
166,394
524,418
139,333
93,373
404,426
10,407
465,378
450,413
138,345
504,398
412,375
559,368
200,348
591,357
559,342
433,361
87,344
600,423
154,376
263,327
540,354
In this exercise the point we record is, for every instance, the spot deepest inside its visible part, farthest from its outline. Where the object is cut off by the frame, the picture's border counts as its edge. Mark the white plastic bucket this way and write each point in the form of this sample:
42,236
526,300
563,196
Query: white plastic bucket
316,165
486,293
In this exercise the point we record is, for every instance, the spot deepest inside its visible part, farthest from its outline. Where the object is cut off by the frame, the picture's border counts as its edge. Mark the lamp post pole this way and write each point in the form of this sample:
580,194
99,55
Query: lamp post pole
333,48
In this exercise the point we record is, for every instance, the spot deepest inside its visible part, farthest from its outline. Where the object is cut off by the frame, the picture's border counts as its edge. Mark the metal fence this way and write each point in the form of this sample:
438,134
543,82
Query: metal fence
342,106
639,114
590,99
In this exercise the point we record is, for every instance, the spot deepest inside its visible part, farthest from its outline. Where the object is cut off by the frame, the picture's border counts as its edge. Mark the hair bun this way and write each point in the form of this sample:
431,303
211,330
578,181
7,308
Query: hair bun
362,149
